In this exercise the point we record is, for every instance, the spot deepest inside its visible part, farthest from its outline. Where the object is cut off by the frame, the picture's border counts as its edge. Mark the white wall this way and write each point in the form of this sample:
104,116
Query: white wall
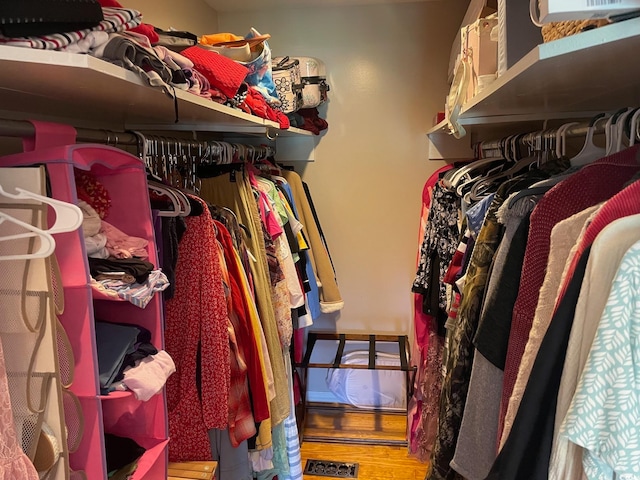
386,65
195,16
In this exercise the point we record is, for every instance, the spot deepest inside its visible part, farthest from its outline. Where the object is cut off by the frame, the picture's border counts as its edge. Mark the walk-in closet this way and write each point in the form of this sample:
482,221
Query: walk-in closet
295,240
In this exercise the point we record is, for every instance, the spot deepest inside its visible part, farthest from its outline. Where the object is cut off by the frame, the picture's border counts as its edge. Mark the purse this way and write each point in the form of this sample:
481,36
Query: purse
314,83
286,76
43,17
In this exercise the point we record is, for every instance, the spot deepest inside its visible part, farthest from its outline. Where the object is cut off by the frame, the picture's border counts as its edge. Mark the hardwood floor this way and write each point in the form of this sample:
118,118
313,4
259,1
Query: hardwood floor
355,426
375,462
346,430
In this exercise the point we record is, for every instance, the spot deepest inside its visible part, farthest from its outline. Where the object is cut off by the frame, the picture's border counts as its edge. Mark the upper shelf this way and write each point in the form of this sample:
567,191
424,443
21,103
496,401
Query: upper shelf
69,87
577,76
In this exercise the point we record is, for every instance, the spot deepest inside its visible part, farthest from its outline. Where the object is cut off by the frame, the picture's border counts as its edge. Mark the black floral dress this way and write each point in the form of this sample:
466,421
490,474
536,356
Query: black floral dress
441,238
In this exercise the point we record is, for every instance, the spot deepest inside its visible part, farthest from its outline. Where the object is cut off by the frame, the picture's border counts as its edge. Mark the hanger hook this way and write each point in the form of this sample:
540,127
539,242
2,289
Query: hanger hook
269,135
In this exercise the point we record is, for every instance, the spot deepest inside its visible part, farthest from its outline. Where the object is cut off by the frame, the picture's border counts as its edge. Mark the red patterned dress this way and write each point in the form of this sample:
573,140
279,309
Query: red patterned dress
196,321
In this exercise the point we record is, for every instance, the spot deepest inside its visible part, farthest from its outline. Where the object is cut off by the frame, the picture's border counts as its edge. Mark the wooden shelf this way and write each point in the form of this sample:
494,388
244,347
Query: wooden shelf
69,87
573,77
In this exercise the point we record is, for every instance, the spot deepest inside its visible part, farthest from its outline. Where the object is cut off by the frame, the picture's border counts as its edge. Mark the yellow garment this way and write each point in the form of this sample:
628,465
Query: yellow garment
256,327
237,195
330,298
302,243
264,432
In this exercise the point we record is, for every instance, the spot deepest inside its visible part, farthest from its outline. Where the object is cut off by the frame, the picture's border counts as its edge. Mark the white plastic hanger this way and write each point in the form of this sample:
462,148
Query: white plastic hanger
68,216
634,128
463,174
620,130
47,242
561,138
612,129
590,152
170,193
184,202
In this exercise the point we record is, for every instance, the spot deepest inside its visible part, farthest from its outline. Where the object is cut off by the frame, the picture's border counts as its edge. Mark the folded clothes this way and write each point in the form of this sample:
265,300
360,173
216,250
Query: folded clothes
144,28
113,343
119,277
91,222
144,348
198,83
149,375
139,293
126,53
140,269
96,246
115,20
121,245
93,40
98,287
173,59
256,104
223,73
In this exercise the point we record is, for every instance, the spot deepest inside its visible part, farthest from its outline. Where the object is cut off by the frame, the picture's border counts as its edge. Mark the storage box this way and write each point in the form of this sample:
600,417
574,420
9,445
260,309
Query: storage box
562,10
483,52
477,9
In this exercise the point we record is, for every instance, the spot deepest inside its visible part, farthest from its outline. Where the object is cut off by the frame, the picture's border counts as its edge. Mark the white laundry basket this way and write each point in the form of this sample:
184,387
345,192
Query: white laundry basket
383,389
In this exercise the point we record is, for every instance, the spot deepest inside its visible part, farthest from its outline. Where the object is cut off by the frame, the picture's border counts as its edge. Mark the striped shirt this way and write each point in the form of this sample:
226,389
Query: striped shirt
115,20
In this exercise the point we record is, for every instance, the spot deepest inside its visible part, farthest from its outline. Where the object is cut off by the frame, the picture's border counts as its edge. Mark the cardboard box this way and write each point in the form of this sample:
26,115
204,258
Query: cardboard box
562,10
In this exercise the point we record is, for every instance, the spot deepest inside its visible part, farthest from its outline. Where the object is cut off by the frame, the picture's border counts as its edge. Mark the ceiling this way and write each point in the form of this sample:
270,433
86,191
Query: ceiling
244,5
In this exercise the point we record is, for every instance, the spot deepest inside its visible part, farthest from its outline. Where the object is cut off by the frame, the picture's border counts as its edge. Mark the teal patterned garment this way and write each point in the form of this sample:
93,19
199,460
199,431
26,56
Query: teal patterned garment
604,416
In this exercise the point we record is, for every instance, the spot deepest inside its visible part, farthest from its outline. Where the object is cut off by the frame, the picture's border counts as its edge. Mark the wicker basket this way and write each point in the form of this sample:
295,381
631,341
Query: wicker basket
556,30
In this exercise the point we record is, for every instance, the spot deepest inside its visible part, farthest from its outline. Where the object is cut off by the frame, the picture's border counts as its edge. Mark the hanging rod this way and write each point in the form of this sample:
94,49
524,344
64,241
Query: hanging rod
23,128
579,130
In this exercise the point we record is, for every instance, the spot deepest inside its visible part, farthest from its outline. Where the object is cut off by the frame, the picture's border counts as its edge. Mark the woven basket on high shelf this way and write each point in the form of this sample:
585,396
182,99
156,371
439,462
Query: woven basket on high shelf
556,30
